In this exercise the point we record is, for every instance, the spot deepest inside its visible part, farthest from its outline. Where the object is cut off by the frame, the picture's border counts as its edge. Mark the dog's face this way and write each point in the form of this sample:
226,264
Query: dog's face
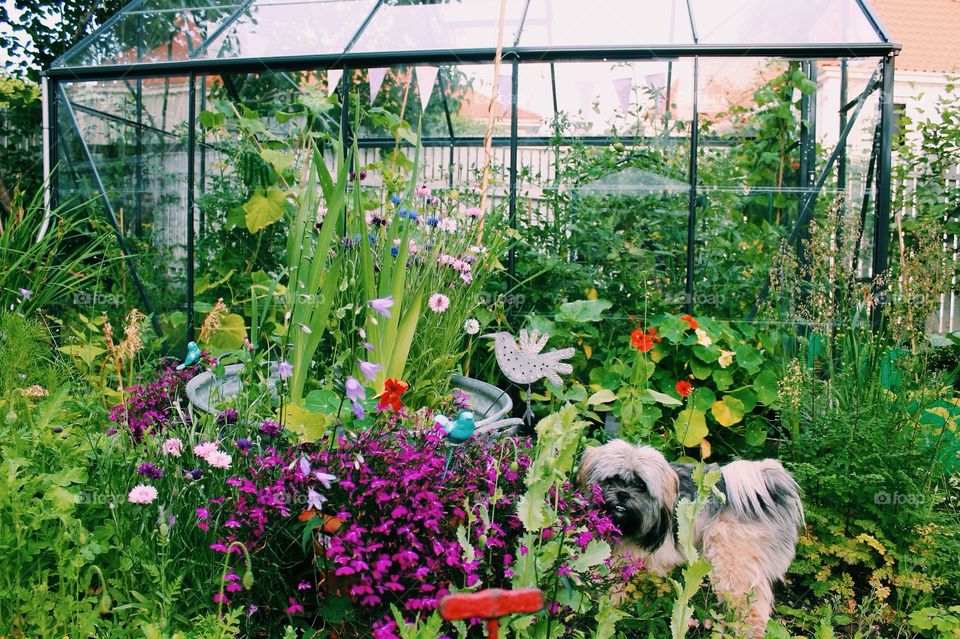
638,488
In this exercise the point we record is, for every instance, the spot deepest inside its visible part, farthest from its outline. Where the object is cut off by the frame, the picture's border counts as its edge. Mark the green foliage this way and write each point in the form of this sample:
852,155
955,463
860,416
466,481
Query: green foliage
697,567
21,156
52,259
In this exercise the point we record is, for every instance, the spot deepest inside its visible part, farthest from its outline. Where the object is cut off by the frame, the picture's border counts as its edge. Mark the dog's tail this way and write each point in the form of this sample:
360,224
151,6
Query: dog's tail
763,490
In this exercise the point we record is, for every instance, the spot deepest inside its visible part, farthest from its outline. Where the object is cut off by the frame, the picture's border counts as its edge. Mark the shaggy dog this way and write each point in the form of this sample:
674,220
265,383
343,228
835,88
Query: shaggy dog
750,537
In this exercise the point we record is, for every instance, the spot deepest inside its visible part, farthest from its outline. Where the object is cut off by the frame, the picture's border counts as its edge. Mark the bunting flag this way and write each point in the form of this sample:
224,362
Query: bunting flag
376,77
623,87
333,80
585,93
426,76
657,82
504,89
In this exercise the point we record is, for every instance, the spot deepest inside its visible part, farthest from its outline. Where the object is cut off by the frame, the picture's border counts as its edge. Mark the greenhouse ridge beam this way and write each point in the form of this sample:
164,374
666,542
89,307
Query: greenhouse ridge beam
467,56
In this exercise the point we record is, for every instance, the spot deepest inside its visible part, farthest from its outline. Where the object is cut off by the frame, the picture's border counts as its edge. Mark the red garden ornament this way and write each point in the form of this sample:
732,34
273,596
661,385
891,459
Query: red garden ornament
491,605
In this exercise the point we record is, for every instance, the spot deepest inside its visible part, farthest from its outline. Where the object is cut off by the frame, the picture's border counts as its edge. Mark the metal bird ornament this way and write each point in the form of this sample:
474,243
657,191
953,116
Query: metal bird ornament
522,362
193,356
458,431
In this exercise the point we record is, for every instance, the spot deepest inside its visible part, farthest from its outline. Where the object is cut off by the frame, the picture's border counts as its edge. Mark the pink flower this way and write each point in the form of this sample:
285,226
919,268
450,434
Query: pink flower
284,370
142,494
220,598
203,449
474,211
172,447
354,390
219,459
422,191
438,303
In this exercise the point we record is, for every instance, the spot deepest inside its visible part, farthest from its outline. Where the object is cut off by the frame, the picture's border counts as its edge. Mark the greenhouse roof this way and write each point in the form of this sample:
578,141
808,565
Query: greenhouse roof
174,37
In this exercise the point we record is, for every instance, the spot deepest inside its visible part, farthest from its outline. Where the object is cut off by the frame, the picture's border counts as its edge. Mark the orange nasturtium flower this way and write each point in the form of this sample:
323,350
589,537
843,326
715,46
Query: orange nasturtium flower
689,320
684,387
392,390
644,341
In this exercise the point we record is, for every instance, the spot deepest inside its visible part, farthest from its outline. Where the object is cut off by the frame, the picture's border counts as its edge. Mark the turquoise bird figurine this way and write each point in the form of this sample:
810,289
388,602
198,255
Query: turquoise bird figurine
462,428
193,356
458,431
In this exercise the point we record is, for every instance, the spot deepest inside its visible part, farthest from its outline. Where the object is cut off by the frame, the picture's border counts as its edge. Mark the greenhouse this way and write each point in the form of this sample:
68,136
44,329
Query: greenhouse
466,319
125,109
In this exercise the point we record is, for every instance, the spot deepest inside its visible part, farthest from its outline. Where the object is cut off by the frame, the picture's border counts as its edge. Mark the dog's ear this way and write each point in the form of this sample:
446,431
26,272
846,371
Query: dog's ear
587,462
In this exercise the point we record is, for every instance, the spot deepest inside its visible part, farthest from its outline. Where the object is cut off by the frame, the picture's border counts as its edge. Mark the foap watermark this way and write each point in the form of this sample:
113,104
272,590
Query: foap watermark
96,298
505,299
884,498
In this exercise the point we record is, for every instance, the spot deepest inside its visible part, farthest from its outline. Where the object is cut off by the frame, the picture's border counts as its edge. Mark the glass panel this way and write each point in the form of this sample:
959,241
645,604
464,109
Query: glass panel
159,36
567,23
625,98
143,170
781,22
464,25
288,27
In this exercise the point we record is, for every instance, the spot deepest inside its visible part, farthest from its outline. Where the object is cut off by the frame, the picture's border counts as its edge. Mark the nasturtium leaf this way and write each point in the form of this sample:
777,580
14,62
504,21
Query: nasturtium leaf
583,311
723,378
708,354
700,370
264,208
309,426
728,411
755,434
673,329
690,426
748,358
322,400
703,398
747,396
767,387
230,335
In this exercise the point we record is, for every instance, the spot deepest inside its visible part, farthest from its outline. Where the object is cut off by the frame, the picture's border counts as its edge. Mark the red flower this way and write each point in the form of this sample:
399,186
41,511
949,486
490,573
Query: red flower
689,320
644,341
390,397
684,387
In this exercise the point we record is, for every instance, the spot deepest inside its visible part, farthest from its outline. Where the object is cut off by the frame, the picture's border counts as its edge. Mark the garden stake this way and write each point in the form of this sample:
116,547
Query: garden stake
490,605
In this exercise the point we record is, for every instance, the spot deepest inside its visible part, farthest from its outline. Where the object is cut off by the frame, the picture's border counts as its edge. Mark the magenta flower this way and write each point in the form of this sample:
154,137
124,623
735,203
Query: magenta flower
294,607
369,370
382,305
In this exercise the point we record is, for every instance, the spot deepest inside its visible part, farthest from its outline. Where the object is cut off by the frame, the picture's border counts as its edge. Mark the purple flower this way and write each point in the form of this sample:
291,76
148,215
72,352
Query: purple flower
202,513
354,390
149,470
315,500
382,305
244,444
324,479
284,370
358,411
369,370
193,474
25,293
368,346
270,428
228,416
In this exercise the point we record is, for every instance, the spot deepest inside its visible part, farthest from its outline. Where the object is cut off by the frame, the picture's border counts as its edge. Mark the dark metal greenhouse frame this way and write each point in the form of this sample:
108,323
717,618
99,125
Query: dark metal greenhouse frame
513,55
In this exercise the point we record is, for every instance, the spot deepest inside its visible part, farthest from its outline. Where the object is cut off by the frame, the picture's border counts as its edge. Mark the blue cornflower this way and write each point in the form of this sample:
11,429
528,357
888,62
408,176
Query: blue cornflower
394,250
402,213
433,221
395,199
413,215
